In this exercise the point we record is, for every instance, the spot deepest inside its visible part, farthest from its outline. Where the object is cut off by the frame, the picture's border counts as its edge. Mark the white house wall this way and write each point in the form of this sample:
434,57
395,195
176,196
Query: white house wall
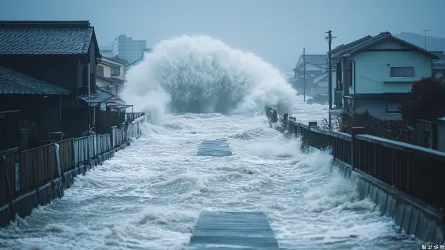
107,69
101,83
371,69
377,108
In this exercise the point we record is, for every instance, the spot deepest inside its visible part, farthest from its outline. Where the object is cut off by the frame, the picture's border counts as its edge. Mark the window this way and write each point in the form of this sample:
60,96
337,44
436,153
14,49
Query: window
402,71
392,107
115,71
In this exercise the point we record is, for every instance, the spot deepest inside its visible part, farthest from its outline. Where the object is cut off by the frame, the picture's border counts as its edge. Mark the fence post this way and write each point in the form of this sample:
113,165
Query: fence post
59,168
24,139
113,137
354,131
74,152
285,120
274,116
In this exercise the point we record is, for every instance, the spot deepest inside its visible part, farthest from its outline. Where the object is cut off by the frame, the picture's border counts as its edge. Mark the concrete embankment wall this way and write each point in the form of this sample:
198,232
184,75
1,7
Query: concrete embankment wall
83,155
415,174
413,217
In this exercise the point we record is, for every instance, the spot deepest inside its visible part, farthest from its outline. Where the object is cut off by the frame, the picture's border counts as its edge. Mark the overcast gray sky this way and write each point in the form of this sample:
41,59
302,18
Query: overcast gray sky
276,30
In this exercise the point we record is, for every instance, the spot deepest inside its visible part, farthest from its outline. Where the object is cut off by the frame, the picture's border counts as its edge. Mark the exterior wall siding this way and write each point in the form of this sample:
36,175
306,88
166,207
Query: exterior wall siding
92,59
377,108
101,83
107,69
441,136
55,69
372,70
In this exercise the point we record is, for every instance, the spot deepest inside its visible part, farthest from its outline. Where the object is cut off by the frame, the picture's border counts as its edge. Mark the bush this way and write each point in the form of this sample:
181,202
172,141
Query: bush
426,101
349,118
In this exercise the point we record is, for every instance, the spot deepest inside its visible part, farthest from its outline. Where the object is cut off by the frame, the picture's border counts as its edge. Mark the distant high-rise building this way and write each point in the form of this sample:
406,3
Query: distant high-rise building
106,51
127,48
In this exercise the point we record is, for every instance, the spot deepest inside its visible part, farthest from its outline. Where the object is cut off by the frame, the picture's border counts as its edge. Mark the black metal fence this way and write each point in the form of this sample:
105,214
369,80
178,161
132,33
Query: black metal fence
414,170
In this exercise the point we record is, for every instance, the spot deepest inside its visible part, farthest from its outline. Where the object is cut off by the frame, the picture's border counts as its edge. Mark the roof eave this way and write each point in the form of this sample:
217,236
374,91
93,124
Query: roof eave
386,38
98,54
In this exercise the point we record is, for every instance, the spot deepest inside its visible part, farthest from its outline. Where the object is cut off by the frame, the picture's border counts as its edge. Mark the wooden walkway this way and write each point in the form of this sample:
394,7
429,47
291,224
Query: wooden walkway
233,230
216,148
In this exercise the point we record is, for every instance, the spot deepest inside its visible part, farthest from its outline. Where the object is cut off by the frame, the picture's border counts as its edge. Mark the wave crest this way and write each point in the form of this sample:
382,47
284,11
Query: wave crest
199,74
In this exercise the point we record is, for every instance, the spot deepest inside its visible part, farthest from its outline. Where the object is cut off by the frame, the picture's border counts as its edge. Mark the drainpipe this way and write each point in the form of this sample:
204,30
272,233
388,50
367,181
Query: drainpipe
355,77
60,115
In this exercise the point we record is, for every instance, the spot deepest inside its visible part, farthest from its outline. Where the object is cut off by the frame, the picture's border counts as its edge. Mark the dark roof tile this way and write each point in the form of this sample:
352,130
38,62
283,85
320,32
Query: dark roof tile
15,83
110,79
45,38
368,41
117,59
100,97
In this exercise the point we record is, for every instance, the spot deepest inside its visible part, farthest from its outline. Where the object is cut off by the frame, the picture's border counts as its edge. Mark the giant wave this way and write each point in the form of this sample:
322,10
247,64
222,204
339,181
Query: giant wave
199,74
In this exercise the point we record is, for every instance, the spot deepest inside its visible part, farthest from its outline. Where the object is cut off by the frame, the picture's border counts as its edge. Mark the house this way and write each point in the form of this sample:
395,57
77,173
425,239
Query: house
320,84
375,73
439,64
316,65
110,74
30,105
62,56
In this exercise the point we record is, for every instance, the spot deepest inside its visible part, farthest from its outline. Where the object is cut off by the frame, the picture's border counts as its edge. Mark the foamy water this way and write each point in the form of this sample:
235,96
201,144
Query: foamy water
202,75
149,195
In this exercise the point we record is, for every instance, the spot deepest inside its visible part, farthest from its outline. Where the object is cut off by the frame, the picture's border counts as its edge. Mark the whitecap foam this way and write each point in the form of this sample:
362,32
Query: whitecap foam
200,74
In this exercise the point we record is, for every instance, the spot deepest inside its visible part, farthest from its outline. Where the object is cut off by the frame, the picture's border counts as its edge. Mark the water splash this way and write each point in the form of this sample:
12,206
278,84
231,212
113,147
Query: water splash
198,74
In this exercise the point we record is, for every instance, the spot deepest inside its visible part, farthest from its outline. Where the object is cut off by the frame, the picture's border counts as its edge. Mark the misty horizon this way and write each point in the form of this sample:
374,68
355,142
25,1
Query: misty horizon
277,31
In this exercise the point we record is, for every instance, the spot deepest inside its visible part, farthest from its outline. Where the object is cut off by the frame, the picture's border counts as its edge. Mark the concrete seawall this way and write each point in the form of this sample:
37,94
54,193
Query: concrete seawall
412,216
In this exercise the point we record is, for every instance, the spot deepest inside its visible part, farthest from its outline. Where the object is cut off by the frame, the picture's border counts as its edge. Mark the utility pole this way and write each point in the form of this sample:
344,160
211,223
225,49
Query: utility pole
329,37
304,74
426,31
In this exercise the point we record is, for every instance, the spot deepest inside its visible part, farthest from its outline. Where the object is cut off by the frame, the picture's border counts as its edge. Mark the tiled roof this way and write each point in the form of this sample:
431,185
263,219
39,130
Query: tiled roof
95,99
368,41
345,47
117,59
15,83
110,79
109,64
117,80
45,37
116,101
104,78
317,60
440,63
321,77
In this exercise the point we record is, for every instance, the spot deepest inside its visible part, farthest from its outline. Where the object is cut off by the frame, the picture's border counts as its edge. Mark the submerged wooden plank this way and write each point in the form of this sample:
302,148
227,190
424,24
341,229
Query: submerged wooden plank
214,148
233,230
